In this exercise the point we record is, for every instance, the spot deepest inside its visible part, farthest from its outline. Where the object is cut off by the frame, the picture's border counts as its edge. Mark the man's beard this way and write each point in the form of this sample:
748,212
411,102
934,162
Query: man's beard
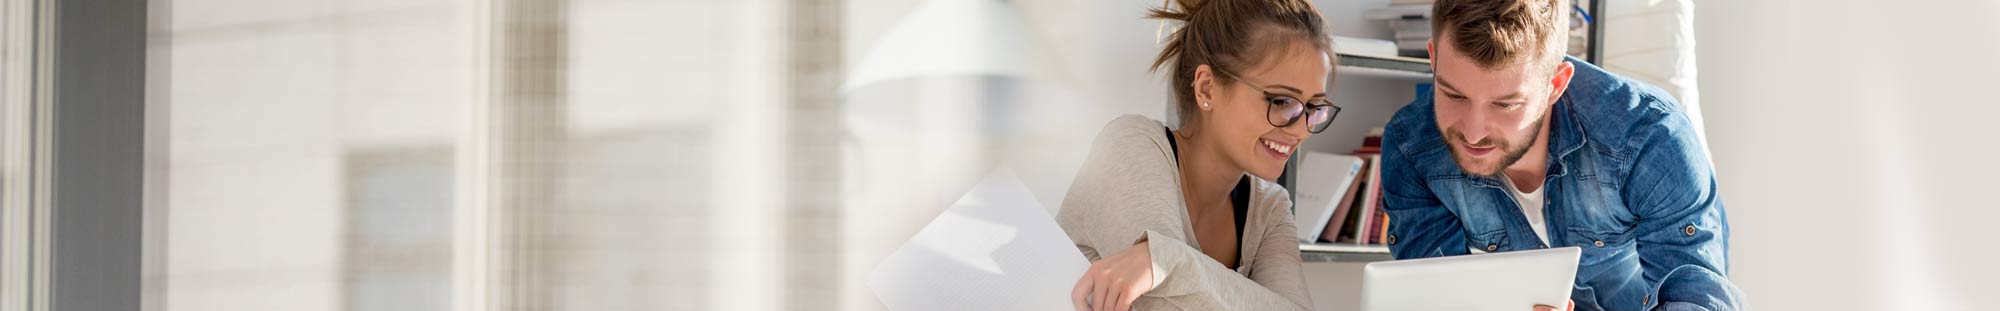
1509,152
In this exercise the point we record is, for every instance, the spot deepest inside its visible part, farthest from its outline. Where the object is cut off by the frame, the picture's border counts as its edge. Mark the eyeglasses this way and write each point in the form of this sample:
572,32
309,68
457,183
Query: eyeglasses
1286,110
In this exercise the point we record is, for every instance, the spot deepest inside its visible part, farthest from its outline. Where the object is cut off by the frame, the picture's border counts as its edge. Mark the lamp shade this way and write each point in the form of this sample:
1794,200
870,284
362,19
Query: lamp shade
955,37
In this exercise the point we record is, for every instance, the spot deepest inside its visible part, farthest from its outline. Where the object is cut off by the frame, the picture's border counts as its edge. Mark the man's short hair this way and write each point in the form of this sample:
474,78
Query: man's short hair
1495,33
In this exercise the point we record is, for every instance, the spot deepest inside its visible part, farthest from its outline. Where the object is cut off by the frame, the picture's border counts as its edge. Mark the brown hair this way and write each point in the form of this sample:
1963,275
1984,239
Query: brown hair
1228,34
1496,33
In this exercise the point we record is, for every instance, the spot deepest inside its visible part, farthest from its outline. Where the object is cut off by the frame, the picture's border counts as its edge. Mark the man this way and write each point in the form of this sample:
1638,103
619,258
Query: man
1519,147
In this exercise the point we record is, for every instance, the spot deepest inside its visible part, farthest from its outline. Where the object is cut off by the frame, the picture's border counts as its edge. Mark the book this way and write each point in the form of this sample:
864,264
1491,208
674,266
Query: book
1382,234
1399,11
1364,46
1381,229
1351,221
1324,180
1343,216
1370,201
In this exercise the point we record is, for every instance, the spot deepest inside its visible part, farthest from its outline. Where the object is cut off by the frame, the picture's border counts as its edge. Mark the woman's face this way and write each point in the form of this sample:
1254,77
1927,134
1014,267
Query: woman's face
1239,114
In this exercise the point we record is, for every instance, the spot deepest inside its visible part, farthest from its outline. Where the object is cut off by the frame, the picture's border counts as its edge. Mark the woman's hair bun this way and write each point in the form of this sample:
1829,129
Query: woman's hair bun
1167,10
1229,35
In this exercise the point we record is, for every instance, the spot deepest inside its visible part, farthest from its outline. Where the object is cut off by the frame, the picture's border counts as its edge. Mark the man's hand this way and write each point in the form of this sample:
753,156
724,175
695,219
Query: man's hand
1571,306
1114,282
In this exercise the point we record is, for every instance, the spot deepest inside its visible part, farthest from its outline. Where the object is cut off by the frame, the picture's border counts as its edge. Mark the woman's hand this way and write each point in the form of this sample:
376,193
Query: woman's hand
1570,306
1114,282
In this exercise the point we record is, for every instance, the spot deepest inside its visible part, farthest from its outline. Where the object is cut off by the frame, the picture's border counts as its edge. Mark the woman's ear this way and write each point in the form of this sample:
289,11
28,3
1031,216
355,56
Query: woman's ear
1204,83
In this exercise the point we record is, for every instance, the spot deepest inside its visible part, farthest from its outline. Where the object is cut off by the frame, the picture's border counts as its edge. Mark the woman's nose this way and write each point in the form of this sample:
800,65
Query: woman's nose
1299,127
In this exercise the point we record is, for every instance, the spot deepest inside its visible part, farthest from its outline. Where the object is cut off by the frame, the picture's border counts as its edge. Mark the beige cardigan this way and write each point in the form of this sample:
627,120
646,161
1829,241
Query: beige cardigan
1130,187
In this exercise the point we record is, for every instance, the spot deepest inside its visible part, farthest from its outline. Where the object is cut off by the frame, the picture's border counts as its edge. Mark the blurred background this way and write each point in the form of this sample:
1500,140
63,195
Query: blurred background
766,154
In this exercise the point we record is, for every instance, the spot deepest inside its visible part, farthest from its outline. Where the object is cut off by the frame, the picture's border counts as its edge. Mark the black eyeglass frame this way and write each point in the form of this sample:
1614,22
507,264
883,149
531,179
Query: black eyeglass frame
1305,107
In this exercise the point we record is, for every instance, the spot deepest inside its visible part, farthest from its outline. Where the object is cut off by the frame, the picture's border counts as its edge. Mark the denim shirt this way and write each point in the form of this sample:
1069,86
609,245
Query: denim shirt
1628,181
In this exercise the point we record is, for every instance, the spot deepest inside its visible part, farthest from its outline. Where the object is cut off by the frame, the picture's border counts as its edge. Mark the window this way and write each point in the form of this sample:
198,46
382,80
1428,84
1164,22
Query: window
497,154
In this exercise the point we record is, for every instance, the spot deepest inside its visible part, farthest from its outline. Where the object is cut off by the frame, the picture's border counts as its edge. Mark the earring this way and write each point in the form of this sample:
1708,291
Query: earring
1204,104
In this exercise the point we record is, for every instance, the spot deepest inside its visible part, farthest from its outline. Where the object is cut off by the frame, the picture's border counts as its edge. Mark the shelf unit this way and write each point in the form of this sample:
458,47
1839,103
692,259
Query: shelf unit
1414,70
1384,66
1368,66
1343,252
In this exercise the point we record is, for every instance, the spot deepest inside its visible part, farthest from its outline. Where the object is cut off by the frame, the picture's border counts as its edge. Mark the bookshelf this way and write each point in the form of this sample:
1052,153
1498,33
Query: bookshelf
1383,66
1387,69
1370,88
1343,252
1382,70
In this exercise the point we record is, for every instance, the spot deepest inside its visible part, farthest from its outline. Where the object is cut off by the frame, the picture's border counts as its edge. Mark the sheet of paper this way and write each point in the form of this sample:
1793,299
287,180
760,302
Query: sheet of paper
994,249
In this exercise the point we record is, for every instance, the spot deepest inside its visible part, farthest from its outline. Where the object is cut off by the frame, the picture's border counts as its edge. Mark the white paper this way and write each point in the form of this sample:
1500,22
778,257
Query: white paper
994,249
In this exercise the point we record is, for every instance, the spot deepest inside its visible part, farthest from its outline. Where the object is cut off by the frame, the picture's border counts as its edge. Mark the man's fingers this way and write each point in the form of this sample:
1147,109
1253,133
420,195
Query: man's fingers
1546,308
1082,291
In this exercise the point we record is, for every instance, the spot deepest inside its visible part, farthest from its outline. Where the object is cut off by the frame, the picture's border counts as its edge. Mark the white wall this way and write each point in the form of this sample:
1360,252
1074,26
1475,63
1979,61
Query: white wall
1850,140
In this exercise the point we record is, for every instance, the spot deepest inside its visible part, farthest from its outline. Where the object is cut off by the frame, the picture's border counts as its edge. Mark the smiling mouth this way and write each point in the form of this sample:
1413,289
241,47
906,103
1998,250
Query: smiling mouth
1278,149
1480,151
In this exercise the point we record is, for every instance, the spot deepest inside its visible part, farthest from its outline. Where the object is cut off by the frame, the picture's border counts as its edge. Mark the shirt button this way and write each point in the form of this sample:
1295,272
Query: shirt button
1646,299
1392,239
1491,247
1599,243
1690,230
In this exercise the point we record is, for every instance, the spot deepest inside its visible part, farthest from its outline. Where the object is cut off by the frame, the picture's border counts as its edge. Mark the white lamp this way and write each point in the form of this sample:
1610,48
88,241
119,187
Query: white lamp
928,110
956,38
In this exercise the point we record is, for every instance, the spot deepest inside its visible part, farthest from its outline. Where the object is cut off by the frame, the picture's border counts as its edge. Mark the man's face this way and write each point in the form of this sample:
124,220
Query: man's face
1490,117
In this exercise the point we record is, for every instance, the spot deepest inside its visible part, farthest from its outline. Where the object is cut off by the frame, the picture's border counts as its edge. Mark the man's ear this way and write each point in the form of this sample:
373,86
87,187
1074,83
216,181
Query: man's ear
1431,48
1204,83
1559,81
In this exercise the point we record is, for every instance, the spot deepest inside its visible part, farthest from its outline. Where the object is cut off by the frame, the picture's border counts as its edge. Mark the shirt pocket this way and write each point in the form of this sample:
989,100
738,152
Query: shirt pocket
1605,248
1601,243
1585,298
1606,268
1490,241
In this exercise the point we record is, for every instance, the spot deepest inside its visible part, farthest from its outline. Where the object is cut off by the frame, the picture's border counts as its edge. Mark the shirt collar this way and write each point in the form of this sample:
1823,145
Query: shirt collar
1566,130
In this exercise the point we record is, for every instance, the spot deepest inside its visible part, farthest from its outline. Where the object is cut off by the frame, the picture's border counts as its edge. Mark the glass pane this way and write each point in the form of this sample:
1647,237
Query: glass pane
319,156
674,135
7,143
309,153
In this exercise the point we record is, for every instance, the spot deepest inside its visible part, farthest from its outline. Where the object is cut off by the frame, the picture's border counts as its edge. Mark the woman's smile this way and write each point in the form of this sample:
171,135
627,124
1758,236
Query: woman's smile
1278,150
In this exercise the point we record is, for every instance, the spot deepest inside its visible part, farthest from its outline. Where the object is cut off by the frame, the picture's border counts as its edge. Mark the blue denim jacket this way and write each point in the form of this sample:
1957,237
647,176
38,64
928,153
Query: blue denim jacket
1628,181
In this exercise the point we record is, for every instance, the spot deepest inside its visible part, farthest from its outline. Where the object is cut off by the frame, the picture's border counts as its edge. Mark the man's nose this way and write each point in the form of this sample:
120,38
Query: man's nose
1472,128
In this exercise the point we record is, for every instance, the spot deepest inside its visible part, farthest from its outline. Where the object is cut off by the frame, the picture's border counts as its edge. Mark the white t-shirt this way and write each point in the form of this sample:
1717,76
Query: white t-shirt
1531,205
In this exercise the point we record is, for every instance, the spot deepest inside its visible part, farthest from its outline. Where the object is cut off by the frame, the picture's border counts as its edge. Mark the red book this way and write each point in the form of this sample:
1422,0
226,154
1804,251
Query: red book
1371,203
1378,225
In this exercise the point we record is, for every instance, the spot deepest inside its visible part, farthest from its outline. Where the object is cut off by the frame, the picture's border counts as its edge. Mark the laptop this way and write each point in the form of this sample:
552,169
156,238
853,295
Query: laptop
1508,281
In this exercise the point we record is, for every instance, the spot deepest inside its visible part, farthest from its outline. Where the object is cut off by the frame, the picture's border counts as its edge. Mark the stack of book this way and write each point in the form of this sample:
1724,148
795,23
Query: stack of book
1411,21
1353,216
1365,46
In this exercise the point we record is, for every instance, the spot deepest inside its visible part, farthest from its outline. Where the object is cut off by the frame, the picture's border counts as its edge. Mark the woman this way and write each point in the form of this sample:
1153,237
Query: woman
1188,218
